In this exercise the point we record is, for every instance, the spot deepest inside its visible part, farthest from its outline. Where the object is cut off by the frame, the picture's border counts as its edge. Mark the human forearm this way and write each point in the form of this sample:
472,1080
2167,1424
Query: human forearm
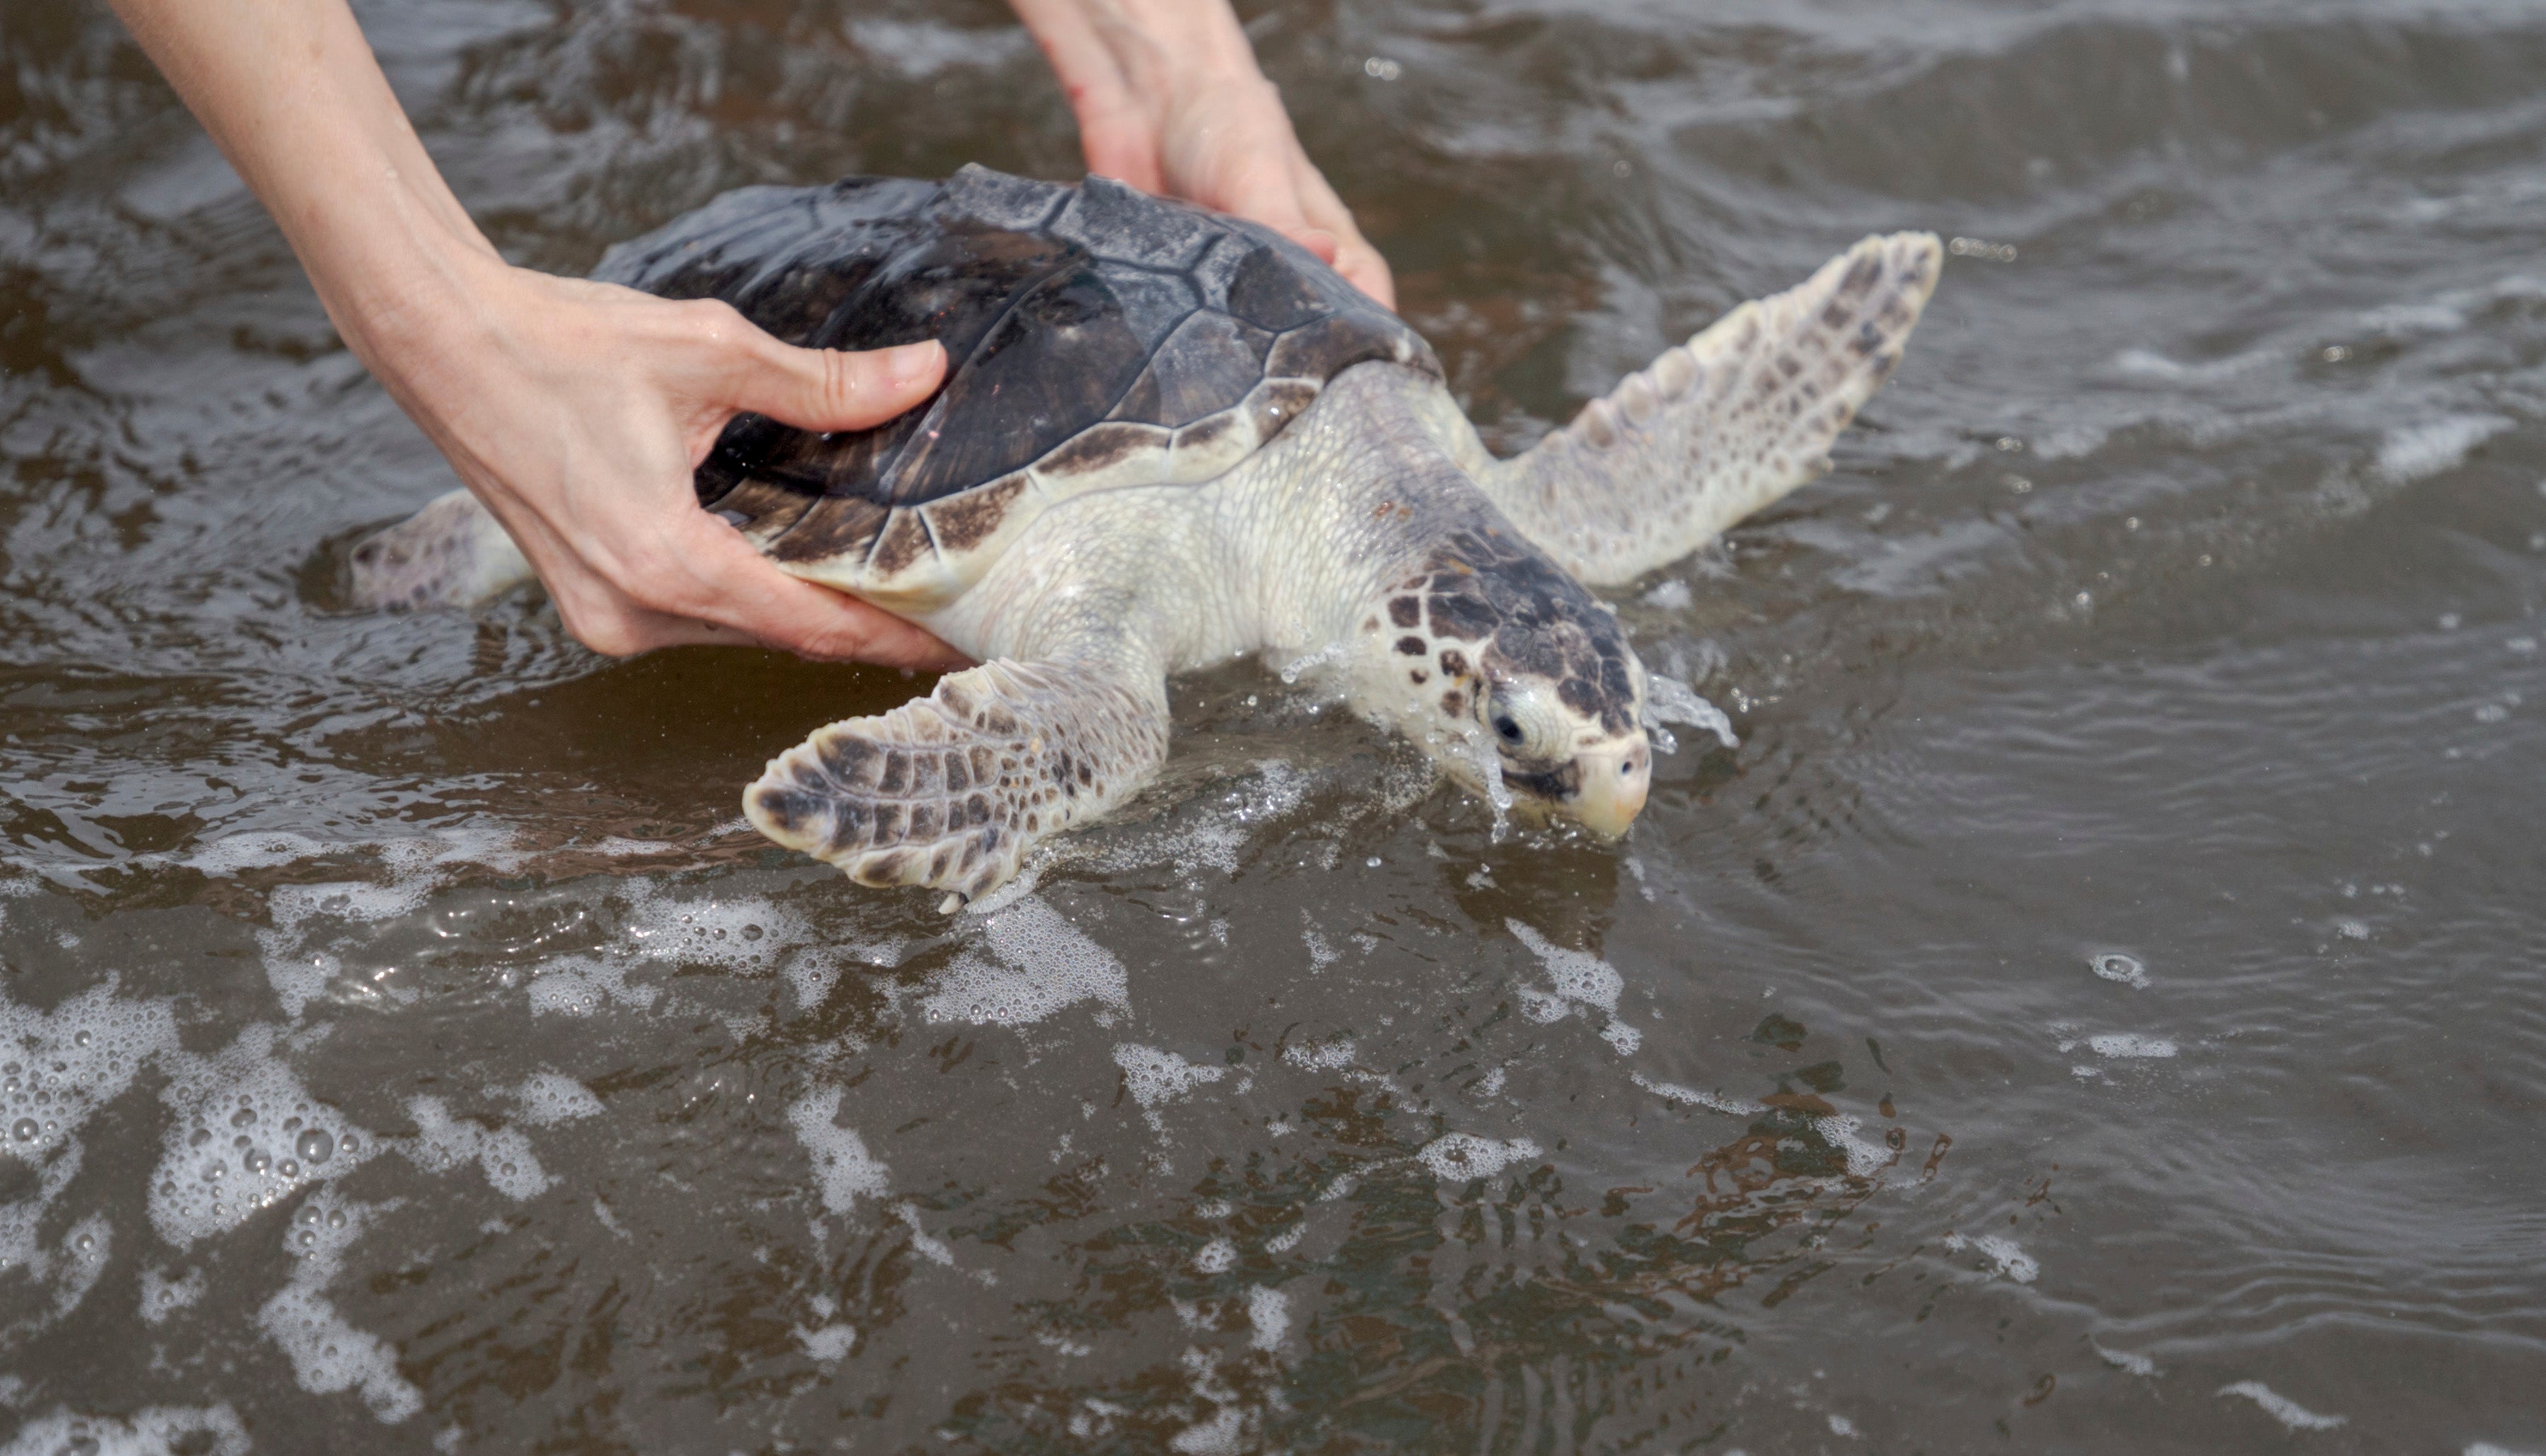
291,95
575,412
1170,100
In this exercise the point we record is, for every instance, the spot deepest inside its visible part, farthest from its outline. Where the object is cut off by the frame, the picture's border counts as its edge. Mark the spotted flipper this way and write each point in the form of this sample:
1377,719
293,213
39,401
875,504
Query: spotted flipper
1723,425
951,790
451,554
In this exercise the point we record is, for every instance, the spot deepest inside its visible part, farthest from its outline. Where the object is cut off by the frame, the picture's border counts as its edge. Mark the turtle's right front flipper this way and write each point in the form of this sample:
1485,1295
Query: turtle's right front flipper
1723,425
951,790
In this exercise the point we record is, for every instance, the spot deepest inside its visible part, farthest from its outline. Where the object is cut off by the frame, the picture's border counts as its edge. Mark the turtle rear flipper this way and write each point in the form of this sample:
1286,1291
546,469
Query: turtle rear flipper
451,554
951,790
1723,425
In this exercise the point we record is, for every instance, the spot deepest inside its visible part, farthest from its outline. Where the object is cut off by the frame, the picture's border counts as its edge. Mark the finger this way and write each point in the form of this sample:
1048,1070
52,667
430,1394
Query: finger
1359,262
823,389
710,575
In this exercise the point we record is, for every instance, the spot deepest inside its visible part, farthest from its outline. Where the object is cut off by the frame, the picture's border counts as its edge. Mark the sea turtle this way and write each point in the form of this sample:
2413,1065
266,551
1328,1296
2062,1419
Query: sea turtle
1169,438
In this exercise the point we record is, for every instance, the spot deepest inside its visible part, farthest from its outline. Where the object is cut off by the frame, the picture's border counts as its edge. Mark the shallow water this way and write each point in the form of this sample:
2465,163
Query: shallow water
2097,1008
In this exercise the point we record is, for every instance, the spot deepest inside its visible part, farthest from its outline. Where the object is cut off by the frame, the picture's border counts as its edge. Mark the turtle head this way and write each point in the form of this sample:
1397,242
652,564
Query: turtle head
1501,664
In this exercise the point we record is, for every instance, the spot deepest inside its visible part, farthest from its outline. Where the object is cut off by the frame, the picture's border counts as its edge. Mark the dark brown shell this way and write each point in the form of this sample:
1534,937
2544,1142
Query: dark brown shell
1097,336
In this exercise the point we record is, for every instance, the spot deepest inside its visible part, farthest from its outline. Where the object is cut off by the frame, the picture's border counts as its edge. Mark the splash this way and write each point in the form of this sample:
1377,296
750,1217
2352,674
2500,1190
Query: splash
1668,700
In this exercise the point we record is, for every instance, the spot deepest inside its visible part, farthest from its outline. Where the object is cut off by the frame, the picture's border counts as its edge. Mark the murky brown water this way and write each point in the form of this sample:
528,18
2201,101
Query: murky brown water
2098,1008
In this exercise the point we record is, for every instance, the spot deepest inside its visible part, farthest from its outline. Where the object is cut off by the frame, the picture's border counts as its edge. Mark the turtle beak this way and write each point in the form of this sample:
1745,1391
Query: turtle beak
1615,779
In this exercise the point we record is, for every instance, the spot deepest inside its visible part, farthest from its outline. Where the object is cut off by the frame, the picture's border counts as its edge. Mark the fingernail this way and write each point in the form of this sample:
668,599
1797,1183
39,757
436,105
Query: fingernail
907,363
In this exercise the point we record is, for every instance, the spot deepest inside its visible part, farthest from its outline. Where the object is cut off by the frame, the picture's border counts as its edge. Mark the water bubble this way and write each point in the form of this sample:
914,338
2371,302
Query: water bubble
752,932
199,1137
80,1040
316,1147
289,1168
243,1117
240,1142
348,1143
85,1242
257,1161
335,1217
25,1130
307,1238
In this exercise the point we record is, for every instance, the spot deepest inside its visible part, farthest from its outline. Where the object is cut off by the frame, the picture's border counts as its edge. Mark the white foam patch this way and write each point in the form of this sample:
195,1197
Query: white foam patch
2124,1044
1320,953
843,1169
1156,1078
2116,966
83,1254
1333,1054
162,1296
743,935
2488,1448
2135,1363
1864,1159
548,1098
2281,1408
1456,1157
1669,596
1268,1315
328,1355
1668,700
2412,452
245,1135
1218,1256
1710,1102
1582,978
299,975
1221,1435
152,1430
580,986
232,853
828,1344
2147,364
2007,1257
1044,964
57,1067
443,1142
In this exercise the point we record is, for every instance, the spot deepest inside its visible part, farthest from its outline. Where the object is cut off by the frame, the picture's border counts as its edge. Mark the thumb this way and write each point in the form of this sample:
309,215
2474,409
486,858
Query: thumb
824,389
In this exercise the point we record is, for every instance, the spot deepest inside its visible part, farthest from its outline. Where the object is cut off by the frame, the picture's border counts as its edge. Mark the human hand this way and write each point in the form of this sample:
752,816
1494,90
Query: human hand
1170,100
577,411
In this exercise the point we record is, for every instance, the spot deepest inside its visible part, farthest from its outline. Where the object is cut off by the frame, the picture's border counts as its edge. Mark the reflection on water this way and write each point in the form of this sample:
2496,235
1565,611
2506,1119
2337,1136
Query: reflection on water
2097,1006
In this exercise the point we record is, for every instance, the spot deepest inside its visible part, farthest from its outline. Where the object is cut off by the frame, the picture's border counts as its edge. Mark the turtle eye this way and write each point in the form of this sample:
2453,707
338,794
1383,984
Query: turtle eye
1524,717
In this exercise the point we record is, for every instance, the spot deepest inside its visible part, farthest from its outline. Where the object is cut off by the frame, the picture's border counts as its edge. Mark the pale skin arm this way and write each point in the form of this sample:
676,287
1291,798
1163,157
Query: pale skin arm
1170,100
577,411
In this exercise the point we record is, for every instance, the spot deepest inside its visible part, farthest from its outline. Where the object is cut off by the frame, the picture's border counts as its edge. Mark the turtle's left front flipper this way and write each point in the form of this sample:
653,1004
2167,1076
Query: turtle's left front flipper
951,790
1723,425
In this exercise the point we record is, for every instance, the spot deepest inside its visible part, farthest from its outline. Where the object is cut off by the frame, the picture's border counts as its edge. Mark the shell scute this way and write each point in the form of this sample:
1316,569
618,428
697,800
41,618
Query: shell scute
1097,337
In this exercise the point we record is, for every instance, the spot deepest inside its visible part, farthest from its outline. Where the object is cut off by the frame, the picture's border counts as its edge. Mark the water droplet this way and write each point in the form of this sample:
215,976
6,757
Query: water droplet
335,1217
81,1040
25,1130
243,1117
316,1147
289,1168
199,1137
86,1242
257,1161
348,1143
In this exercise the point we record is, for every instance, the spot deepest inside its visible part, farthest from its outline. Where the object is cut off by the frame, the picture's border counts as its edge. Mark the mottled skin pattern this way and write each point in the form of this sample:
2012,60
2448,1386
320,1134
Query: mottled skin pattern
1364,538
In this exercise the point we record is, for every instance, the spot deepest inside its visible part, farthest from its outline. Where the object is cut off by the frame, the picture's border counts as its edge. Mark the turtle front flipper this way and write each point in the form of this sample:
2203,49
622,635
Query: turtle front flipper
1723,425
951,790
451,554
